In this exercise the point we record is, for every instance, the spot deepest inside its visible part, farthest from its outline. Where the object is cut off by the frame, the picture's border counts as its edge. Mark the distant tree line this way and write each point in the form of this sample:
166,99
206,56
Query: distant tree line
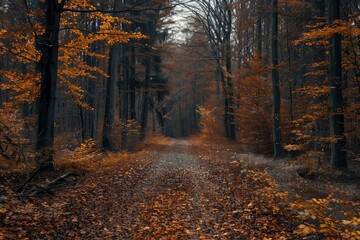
280,77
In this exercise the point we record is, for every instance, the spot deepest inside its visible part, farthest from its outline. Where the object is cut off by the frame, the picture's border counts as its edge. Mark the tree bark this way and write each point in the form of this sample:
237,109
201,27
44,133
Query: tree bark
145,105
111,97
49,48
229,97
278,149
125,85
336,118
321,127
132,84
259,26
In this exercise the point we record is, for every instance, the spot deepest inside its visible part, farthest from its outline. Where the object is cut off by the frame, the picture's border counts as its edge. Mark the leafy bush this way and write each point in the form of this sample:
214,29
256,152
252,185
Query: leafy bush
209,124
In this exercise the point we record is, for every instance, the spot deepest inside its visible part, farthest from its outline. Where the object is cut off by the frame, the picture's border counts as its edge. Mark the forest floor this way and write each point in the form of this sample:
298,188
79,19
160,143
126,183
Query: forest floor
175,189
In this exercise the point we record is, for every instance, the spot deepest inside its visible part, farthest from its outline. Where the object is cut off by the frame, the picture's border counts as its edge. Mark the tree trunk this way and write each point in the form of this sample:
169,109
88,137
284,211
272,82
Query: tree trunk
49,64
290,78
229,101
267,33
228,85
259,26
336,118
278,149
132,84
321,127
145,105
125,84
111,97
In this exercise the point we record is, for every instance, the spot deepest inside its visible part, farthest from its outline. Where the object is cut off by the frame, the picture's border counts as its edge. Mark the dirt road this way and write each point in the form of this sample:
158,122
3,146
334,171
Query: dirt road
177,198
178,190
180,194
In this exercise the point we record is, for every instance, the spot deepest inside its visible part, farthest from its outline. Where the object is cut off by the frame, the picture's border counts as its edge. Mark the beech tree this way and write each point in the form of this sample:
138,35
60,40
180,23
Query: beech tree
111,84
337,129
319,56
278,149
45,20
49,50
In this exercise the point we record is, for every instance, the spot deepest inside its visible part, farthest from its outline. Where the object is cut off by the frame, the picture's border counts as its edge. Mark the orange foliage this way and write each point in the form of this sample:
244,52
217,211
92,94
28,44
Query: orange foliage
318,216
318,36
209,123
254,103
75,41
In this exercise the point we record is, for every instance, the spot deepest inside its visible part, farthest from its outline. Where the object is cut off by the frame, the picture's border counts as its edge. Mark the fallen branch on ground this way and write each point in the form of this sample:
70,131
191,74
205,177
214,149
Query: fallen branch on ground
64,181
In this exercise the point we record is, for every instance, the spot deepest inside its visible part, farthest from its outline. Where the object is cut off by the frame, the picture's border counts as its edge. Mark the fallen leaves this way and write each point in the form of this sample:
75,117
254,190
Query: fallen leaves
169,194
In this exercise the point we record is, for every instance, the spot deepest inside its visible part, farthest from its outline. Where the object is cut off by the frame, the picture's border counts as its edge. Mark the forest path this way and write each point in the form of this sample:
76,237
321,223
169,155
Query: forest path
175,189
176,198
186,192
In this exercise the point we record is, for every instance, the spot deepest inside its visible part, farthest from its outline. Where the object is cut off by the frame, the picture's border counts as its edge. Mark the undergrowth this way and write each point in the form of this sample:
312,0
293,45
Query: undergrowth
335,216
320,208
87,157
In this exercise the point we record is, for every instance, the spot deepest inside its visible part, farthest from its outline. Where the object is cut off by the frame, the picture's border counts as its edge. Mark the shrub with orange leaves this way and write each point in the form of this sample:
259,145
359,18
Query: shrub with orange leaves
254,103
209,124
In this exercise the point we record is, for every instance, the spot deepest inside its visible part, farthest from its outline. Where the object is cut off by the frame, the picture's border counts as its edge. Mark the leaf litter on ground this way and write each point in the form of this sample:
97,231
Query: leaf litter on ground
179,190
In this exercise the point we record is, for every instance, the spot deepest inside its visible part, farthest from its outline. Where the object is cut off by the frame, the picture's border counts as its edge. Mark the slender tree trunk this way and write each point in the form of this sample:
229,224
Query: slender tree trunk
145,105
111,96
229,98
336,118
226,105
290,77
48,66
128,104
132,84
321,127
181,120
278,149
125,84
267,33
229,92
259,26
154,121
91,122
82,123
